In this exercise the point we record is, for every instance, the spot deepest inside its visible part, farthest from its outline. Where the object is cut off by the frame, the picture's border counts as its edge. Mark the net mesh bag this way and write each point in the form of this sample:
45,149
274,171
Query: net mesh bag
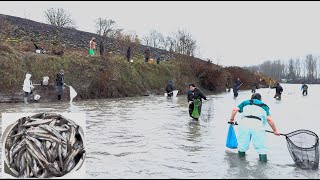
303,146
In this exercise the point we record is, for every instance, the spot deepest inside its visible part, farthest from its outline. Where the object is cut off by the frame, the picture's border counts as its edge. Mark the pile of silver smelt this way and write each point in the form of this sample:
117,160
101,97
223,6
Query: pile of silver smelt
44,145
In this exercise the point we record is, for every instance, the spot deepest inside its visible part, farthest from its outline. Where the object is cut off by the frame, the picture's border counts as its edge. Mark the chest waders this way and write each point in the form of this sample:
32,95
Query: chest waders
262,157
196,109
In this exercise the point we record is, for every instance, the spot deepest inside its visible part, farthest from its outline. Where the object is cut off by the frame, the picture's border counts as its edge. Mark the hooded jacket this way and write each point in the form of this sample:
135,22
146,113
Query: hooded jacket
27,84
279,89
169,87
196,94
60,79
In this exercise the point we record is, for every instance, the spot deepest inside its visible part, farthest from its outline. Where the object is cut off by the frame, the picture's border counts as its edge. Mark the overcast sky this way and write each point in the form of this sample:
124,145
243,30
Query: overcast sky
237,33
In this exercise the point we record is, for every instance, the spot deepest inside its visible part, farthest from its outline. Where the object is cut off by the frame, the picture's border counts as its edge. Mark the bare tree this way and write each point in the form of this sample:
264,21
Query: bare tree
310,65
184,43
291,70
107,27
298,68
154,39
59,17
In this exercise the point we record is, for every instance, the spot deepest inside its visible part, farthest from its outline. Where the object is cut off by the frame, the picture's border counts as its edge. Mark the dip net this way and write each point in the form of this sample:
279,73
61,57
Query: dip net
303,146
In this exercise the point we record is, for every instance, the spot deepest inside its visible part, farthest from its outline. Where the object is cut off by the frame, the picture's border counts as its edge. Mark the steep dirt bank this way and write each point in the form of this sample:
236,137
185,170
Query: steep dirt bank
110,76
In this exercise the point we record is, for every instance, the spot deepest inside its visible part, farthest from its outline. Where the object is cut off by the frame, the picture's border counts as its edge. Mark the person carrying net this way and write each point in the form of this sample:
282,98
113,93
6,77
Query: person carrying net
255,115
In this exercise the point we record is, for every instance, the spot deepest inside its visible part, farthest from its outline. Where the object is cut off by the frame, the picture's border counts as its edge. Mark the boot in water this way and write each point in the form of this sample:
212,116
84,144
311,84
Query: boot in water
263,157
241,154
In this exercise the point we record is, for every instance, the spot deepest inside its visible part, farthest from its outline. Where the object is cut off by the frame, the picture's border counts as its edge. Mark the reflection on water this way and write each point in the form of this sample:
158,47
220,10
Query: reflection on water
154,137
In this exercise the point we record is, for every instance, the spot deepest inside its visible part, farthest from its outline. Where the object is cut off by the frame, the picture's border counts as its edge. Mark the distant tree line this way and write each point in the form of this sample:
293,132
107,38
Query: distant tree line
297,70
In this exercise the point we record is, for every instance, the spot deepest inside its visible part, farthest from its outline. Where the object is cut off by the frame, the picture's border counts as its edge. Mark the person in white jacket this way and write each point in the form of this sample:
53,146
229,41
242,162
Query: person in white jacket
27,87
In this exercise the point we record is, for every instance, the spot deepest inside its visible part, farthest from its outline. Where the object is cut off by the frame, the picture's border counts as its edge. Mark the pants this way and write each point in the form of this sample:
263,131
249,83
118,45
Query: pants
253,90
60,92
170,94
278,95
191,107
146,59
235,93
255,133
26,94
305,92
91,52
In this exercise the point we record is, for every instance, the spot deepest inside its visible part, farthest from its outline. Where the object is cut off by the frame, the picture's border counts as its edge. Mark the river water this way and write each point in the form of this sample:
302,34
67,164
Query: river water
154,137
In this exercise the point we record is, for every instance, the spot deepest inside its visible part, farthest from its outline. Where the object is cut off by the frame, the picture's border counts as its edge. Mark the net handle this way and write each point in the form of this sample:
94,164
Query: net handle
265,130
272,133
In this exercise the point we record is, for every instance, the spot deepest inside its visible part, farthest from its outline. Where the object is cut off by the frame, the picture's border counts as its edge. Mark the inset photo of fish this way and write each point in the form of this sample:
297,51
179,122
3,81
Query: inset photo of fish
43,145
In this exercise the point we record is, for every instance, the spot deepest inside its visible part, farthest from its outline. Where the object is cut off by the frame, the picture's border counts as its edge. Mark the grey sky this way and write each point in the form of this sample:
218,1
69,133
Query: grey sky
237,33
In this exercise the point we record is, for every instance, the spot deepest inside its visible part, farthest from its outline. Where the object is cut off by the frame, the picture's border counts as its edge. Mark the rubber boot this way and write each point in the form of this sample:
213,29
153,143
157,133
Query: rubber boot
263,157
241,154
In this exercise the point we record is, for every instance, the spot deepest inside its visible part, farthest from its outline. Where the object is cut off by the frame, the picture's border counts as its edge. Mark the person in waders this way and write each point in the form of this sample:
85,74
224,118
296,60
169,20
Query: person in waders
60,83
27,88
279,91
304,89
235,89
254,87
251,126
195,97
169,89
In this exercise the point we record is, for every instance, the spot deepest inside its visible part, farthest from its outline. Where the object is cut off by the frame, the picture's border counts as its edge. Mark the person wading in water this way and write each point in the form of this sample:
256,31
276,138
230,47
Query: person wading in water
304,89
255,116
195,97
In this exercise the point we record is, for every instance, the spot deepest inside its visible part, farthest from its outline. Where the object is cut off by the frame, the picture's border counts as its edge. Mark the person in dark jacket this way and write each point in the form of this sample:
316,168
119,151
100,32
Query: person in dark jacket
59,84
158,58
304,89
279,91
238,82
254,87
169,89
195,93
147,55
102,48
128,54
235,89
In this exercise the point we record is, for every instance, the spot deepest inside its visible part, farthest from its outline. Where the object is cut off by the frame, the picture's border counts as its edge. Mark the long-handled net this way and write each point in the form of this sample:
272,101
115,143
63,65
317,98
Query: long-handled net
303,146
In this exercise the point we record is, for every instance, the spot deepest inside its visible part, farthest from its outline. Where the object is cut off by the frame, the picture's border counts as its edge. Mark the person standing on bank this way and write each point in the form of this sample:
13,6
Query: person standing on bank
92,45
147,55
60,84
195,97
128,55
27,88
